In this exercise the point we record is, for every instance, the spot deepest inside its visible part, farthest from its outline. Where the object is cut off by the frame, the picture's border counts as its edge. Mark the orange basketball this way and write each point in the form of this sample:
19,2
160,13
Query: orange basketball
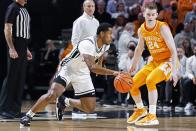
123,83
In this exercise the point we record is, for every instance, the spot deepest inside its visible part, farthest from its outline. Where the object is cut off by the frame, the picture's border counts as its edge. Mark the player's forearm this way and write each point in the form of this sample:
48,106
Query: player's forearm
137,55
101,71
175,62
8,36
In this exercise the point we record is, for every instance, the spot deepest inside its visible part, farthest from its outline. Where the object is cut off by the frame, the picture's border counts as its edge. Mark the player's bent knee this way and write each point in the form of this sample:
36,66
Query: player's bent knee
57,88
134,92
151,84
88,104
50,96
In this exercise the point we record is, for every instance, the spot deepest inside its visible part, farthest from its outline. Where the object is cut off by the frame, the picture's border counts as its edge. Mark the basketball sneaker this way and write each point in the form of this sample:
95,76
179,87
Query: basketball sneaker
138,113
25,120
60,106
149,120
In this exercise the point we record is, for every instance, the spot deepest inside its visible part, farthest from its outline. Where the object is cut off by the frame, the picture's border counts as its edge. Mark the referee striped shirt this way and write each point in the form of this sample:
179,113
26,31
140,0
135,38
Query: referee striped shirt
19,17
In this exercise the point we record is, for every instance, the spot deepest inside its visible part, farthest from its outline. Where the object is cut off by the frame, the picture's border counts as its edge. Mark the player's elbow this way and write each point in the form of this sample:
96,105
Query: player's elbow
93,68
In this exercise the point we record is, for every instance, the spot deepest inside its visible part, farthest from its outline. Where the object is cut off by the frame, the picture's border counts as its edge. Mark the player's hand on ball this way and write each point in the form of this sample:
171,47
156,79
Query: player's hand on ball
116,73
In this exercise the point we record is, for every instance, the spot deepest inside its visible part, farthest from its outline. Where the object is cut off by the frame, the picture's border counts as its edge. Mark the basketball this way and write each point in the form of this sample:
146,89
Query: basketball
123,83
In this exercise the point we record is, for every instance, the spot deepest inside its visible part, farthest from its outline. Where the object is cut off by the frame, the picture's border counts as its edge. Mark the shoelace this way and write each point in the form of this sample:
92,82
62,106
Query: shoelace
138,111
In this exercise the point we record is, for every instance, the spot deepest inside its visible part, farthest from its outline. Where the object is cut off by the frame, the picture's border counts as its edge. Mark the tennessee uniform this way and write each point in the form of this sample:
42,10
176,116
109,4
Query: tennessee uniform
159,69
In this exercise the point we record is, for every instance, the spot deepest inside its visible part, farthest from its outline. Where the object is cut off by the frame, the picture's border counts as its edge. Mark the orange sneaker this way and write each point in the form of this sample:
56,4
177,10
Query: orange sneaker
149,120
138,113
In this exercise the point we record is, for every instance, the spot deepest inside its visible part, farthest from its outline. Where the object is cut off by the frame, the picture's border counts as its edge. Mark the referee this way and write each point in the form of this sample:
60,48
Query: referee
17,34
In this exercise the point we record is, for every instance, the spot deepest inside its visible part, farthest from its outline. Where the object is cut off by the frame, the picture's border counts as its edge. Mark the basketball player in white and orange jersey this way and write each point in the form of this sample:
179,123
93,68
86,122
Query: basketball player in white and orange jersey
160,43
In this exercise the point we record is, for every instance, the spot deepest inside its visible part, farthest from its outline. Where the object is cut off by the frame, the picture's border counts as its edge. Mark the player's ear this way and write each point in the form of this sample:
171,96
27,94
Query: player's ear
101,33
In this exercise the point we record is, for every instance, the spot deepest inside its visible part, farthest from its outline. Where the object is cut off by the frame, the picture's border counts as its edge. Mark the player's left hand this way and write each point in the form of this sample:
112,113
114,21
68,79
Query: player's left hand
29,55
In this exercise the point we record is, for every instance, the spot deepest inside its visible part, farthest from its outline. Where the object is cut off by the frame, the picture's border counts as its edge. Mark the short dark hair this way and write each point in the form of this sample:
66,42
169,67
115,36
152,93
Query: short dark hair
103,27
151,6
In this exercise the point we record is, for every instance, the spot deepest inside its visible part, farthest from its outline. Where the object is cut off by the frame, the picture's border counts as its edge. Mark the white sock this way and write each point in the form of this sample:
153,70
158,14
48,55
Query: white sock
140,105
67,102
152,109
30,113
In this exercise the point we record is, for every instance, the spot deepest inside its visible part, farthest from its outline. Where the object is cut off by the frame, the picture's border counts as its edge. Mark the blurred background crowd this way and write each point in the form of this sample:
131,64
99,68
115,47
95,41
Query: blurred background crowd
51,23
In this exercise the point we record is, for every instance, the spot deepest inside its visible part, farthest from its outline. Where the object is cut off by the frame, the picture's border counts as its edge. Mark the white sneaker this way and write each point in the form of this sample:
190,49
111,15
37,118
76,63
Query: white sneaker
179,109
189,106
167,108
79,115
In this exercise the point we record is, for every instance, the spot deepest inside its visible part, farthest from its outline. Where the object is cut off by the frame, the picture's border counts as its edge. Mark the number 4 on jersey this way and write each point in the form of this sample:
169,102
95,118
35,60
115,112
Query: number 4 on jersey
153,45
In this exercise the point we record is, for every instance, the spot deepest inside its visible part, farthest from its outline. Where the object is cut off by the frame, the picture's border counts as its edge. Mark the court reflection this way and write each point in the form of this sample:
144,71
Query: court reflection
134,128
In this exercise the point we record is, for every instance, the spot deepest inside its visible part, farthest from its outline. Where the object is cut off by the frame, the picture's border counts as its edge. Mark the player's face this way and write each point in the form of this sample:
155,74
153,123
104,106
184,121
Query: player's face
89,8
107,38
150,15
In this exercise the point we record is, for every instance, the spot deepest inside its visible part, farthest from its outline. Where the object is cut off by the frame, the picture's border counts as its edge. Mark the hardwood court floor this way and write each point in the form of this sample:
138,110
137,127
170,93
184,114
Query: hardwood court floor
107,119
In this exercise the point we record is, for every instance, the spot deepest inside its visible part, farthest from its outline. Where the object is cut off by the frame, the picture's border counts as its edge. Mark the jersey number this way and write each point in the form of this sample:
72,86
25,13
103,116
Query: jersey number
153,45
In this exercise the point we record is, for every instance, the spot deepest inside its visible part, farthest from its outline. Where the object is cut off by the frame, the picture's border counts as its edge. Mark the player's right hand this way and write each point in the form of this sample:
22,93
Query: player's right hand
13,53
132,68
115,73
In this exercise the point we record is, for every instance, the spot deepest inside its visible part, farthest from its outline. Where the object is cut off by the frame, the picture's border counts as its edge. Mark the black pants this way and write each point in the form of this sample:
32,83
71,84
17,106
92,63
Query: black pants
189,90
174,93
12,89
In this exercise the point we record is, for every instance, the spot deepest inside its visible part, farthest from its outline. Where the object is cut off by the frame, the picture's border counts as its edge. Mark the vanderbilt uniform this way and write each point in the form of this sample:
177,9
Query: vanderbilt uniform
74,69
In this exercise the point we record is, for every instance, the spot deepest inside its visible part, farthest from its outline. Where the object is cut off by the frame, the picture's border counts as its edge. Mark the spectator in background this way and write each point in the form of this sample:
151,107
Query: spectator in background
179,28
169,99
191,14
183,7
135,16
186,32
125,64
134,11
125,42
144,2
120,10
118,27
186,44
101,13
189,83
170,15
129,3
193,22
111,6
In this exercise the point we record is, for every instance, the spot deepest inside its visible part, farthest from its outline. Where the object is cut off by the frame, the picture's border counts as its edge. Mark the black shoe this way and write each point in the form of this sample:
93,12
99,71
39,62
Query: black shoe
25,120
60,106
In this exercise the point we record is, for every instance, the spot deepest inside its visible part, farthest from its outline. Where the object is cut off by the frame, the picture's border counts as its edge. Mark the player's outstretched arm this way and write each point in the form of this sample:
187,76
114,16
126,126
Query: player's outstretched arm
95,68
167,35
138,52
